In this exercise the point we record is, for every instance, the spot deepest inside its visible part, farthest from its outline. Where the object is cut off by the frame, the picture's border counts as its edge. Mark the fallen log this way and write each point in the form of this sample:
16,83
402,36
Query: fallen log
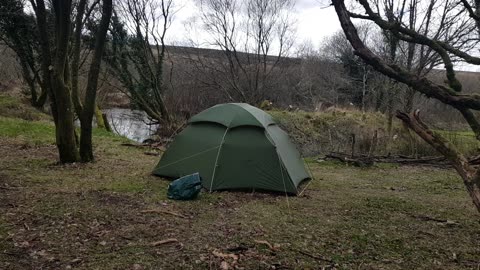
135,145
474,160
366,161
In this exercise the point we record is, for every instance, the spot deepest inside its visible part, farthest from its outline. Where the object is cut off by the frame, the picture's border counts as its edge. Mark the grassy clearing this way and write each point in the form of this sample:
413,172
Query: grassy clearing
88,216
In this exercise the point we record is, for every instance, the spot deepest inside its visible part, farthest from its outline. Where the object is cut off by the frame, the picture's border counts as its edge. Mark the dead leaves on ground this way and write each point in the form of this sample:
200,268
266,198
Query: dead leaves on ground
226,258
231,259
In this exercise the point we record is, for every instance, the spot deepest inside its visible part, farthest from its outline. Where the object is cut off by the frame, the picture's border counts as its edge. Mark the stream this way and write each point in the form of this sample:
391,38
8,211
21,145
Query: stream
130,123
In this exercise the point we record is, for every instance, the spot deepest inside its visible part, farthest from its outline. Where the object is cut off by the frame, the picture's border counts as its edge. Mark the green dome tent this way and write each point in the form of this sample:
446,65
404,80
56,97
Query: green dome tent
235,146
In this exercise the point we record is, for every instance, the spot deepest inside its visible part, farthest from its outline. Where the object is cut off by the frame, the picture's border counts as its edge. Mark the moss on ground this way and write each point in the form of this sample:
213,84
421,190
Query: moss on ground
89,216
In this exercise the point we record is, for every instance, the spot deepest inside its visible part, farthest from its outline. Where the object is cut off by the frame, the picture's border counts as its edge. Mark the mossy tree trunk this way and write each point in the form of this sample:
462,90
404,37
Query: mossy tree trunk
99,117
56,75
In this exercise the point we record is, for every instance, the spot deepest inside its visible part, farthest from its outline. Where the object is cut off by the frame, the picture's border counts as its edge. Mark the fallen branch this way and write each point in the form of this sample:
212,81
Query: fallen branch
364,160
7,187
156,146
316,257
161,211
165,241
135,145
270,246
474,160
438,220
156,154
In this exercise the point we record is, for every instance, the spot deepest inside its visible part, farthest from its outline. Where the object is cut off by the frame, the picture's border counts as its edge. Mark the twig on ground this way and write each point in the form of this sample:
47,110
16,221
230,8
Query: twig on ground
316,257
161,211
270,246
165,241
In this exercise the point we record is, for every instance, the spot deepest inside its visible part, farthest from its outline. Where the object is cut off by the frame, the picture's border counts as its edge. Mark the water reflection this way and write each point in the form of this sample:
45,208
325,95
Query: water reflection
130,123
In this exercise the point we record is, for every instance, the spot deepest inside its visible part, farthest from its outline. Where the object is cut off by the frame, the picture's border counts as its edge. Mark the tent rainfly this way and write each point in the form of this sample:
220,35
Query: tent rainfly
235,146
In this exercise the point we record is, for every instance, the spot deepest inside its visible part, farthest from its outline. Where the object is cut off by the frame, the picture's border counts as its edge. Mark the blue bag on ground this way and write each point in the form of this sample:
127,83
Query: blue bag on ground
185,188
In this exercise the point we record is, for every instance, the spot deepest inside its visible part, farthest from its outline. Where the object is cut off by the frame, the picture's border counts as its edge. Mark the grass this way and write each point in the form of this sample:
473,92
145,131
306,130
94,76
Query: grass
12,106
323,132
36,133
88,216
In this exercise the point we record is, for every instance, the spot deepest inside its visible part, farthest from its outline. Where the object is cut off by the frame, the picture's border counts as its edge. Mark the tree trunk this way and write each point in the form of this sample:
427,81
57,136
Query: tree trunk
86,149
473,188
65,128
379,100
99,118
40,102
409,99
107,124
47,84
390,112
364,86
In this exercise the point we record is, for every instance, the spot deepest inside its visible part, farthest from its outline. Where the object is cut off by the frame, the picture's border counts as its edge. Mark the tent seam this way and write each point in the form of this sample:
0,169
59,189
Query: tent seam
216,159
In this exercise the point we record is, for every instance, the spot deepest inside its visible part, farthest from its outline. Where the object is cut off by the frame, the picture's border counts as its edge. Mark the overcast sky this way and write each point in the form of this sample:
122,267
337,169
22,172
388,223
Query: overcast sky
315,20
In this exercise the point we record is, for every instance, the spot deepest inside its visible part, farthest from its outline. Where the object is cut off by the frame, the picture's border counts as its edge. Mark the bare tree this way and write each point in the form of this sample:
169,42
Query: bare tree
320,78
460,16
337,49
17,31
137,52
253,36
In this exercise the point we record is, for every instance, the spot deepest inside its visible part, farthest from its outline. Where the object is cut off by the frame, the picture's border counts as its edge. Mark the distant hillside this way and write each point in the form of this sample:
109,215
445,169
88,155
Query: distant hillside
183,51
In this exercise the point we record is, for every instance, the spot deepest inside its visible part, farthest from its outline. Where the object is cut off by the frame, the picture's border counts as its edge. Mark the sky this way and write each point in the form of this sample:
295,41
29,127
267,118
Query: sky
315,20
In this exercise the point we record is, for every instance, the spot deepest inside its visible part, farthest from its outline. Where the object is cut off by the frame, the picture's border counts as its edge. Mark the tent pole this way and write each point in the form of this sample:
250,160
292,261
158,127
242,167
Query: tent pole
216,159
311,178
283,179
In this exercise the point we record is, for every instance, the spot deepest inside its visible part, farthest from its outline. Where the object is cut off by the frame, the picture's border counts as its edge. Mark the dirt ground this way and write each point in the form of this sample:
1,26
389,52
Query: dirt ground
97,216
